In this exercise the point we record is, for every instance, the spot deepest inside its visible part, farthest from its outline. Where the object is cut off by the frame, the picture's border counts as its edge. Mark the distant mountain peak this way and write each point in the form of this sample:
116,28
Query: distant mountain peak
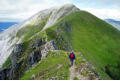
113,22
58,12
68,5
49,16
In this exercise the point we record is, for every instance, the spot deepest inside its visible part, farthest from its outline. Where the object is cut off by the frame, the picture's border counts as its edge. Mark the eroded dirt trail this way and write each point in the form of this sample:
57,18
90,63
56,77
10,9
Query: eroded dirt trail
77,73
72,72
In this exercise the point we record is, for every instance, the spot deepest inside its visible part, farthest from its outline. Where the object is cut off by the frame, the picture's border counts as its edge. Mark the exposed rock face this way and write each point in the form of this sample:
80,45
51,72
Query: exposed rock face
47,47
17,52
39,42
4,73
34,57
11,72
40,51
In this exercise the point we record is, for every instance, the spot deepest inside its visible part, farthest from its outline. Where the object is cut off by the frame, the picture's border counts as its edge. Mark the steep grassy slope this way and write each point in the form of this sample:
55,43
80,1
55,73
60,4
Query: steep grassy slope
54,66
98,41
30,30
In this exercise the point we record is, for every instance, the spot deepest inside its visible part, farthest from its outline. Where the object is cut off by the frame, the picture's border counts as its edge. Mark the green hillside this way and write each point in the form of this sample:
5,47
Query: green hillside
98,41
55,67
52,66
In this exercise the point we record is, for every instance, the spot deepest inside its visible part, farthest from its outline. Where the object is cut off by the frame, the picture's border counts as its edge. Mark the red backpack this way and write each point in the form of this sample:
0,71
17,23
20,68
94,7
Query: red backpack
72,55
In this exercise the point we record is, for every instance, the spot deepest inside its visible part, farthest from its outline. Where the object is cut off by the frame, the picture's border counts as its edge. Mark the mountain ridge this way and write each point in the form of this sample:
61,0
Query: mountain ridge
114,23
37,40
37,17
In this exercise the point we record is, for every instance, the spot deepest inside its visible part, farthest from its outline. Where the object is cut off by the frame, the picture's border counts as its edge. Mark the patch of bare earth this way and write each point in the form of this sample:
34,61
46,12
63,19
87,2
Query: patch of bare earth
82,72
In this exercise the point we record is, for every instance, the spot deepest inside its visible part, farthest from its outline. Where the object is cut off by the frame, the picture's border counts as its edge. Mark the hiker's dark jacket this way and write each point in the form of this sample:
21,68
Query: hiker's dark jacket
73,57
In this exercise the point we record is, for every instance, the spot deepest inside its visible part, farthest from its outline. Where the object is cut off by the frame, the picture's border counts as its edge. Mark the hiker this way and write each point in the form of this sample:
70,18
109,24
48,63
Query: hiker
72,58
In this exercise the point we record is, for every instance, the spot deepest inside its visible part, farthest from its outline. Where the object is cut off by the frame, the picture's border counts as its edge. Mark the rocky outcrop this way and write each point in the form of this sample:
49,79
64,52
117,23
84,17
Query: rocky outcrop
4,73
33,58
11,72
38,42
40,50
16,53
47,47
85,70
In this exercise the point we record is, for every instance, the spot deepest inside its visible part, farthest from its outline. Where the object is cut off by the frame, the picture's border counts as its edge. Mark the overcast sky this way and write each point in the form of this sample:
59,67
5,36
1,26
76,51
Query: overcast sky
19,10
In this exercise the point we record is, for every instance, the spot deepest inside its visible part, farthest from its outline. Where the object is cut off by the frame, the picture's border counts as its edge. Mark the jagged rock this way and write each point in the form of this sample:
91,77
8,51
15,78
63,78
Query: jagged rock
16,53
11,72
38,43
86,73
47,47
14,70
4,73
33,58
